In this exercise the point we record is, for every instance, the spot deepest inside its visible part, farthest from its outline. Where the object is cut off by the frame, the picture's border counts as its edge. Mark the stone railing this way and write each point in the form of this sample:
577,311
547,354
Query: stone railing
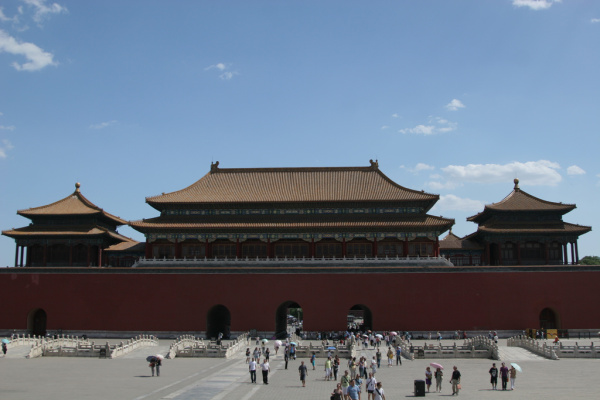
71,346
484,343
555,351
23,340
190,346
342,351
439,352
175,262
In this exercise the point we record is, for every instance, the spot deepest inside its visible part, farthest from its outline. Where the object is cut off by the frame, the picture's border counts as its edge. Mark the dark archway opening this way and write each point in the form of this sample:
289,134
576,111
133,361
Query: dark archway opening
218,321
36,322
360,318
288,314
548,319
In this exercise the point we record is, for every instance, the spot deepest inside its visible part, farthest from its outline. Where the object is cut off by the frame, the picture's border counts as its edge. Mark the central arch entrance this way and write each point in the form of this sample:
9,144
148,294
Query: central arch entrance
548,319
218,321
36,322
290,310
360,318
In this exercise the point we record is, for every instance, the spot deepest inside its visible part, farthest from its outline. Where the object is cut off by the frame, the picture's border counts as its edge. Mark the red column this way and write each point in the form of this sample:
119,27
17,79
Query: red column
99,255
238,248
437,246
17,256
89,251
177,248
45,258
572,254
487,253
405,247
547,251
576,254
70,255
312,247
499,253
344,247
208,249
27,260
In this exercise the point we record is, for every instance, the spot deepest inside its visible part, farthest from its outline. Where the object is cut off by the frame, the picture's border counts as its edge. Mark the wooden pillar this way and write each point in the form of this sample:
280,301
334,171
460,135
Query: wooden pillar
576,253
148,249
374,252
99,256
487,253
312,247
238,248
344,247
70,255
499,253
572,253
177,249
405,247
470,258
547,252
45,256
17,256
27,258
208,250
518,253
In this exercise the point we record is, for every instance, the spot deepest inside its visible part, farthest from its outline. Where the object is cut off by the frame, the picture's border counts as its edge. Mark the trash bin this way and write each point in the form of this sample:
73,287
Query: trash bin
419,388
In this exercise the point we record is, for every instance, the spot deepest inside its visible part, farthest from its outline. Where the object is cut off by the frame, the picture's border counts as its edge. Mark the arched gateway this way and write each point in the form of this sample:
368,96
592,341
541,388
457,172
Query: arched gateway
281,317
36,322
218,321
548,319
361,317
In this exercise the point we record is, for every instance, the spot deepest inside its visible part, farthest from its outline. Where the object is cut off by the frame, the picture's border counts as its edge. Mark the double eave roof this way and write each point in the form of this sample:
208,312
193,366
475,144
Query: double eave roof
272,186
71,231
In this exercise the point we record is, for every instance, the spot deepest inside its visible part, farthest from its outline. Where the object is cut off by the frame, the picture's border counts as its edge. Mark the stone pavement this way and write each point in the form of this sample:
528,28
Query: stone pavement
214,379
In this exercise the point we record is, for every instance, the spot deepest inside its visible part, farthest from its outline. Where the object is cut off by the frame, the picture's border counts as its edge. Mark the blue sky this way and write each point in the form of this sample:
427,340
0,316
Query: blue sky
456,98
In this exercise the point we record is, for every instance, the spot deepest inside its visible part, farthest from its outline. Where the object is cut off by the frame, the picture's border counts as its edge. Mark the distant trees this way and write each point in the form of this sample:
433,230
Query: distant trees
590,260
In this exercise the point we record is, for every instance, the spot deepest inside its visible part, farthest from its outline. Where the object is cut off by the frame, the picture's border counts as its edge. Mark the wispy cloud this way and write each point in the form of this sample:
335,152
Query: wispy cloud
395,115
5,146
535,4
37,57
225,69
542,172
595,20
575,170
43,10
103,125
452,202
422,167
7,128
384,127
4,18
454,105
434,126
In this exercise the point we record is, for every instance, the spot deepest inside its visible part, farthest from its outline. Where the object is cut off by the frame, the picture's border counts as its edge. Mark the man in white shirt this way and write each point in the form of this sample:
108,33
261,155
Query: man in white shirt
265,371
378,395
371,385
252,368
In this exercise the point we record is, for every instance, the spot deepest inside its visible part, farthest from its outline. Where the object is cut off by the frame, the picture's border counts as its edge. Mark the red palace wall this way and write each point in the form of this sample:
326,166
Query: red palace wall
148,302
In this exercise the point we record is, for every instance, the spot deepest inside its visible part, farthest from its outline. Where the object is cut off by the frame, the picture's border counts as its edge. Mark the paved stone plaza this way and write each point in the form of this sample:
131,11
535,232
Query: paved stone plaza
129,378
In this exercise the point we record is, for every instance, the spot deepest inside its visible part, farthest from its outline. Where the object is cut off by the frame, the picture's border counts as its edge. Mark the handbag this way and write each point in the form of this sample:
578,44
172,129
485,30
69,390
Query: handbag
459,386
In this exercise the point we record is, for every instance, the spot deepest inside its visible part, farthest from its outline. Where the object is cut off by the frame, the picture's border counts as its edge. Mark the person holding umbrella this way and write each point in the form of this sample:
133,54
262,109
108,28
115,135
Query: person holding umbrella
5,342
439,376
513,374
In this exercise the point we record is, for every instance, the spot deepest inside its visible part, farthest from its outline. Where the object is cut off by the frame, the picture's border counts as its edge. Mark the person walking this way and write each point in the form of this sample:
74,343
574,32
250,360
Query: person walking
313,360
399,355
336,367
378,355
390,356
286,358
247,355
337,394
455,381
494,376
373,366
513,376
353,391
439,376
379,395
252,369
328,365
504,375
303,371
265,371
4,349
345,382
371,383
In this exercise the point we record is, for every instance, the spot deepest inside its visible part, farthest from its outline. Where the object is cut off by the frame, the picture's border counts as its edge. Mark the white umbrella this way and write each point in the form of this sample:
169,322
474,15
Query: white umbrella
160,357
278,342
517,367
265,341
379,335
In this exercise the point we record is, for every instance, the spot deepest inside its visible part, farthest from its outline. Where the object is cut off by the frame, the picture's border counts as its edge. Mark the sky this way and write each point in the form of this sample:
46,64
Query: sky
454,97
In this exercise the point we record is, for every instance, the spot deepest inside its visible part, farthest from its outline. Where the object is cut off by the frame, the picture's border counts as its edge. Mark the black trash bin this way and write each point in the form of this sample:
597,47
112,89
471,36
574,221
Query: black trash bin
419,388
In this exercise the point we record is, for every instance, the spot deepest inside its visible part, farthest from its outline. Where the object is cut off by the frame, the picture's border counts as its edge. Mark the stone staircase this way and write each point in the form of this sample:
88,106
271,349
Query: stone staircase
511,354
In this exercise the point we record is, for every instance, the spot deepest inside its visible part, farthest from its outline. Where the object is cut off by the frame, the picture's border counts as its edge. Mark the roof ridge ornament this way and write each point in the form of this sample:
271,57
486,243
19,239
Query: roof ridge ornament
77,186
516,181
374,164
214,167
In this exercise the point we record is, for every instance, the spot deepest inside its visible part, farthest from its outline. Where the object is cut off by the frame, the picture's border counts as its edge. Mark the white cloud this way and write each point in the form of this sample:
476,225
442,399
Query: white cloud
43,10
5,147
452,202
535,4
384,127
454,105
395,115
226,74
435,125
595,20
4,18
423,167
7,128
531,173
575,170
103,125
448,185
37,57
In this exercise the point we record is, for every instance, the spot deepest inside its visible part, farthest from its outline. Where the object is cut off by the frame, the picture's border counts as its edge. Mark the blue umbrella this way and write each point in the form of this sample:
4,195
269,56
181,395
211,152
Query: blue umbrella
293,343
331,348
5,341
